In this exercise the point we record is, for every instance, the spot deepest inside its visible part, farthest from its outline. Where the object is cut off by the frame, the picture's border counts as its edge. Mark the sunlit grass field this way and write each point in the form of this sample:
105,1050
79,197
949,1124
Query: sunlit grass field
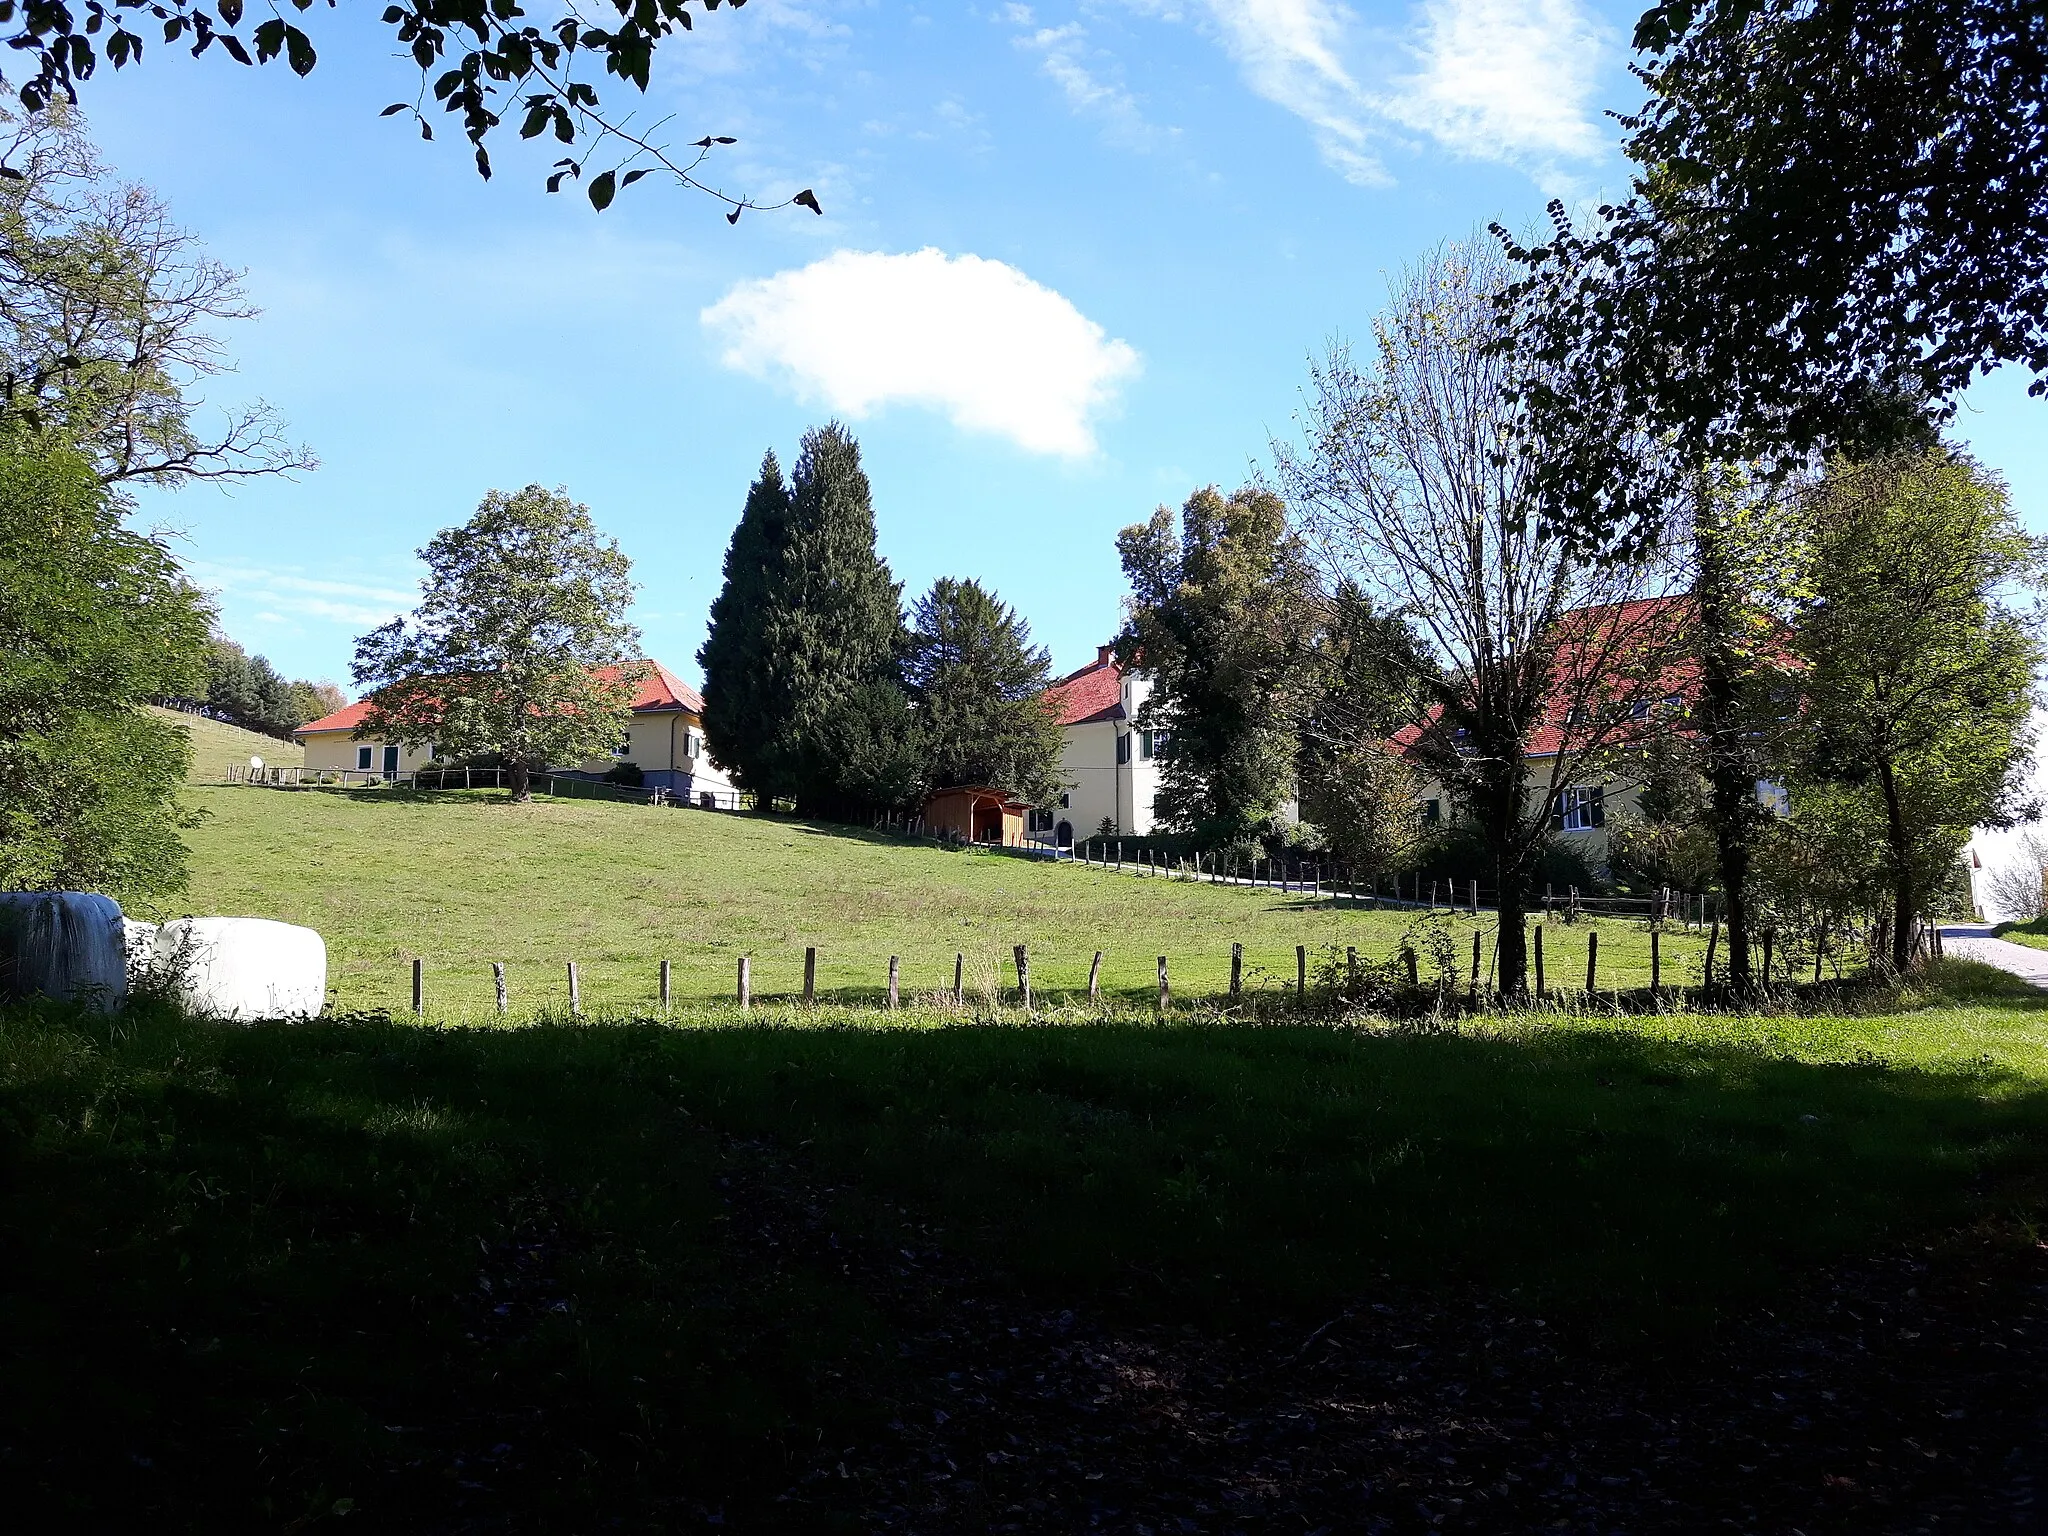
217,747
461,881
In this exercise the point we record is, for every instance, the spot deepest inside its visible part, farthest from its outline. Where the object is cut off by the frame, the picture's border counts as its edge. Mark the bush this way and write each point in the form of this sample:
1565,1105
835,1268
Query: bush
628,774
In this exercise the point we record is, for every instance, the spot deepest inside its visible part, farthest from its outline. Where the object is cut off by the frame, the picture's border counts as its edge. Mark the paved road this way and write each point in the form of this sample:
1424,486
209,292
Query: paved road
1974,942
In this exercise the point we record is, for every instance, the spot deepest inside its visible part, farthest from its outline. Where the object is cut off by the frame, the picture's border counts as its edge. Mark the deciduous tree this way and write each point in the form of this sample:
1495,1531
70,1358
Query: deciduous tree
109,319
1918,670
476,62
520,645
1412,488
1224,614
95,620
1838,222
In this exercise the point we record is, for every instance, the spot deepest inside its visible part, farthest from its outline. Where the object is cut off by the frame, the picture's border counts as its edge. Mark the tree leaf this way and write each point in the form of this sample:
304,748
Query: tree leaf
601,188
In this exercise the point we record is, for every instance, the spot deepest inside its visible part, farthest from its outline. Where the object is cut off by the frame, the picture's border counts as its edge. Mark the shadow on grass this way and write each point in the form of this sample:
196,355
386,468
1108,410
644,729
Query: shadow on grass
252,1272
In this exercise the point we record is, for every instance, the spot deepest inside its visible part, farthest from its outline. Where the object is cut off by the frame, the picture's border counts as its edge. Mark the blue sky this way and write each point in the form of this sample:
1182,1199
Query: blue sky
1074,259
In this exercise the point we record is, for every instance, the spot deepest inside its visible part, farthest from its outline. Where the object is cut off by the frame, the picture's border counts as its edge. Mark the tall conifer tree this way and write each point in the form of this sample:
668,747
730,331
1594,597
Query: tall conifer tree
807,628
746,692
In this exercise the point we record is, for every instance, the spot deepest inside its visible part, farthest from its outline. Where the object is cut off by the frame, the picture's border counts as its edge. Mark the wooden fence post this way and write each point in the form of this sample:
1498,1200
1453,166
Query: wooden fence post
1592,959
746,984
1539,959
575,990
1301,975
1351,966
1119,855
1095,976
1656,961
1472,989
1236,972
959,978
1713,939
419,986
1472,889
892,983
664,986
810,975
1414,974
1163,995
498,976
1024,974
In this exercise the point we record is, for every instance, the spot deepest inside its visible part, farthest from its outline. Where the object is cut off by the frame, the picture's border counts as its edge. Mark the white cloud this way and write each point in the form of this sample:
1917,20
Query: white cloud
1062,52
1292,53
1505,79
974,338
305,597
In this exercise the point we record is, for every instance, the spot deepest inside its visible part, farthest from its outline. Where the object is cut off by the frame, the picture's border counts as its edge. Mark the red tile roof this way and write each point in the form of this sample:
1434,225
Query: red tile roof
1677,678
660,690
1092,694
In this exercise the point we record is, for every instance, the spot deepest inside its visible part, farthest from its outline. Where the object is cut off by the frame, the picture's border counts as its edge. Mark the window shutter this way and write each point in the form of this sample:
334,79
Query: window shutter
1123,747
1599,805
1557,811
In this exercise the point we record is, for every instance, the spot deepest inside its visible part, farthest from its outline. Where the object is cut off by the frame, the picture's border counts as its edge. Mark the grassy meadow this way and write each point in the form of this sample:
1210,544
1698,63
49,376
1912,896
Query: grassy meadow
464,880
621,1270
2033,934
266,1276
218,746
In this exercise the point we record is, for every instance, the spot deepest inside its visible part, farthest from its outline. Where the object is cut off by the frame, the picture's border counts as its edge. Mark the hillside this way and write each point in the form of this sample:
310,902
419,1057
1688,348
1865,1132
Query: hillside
464,881
217,746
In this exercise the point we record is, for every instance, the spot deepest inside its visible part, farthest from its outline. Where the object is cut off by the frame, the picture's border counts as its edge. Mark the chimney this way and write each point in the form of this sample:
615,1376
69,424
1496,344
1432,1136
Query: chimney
1102,655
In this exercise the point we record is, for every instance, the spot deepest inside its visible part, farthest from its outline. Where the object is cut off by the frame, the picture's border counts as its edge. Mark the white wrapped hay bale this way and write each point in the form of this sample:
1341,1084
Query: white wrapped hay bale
242,968
138,943
63,944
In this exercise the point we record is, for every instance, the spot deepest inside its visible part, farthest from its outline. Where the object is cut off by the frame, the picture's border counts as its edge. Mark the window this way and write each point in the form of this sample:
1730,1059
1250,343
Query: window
1123,747
364,756
390,759
1581,810
625,746
1773,797
1153,744
1432,812
1640,710
1040,821
693,744
431,753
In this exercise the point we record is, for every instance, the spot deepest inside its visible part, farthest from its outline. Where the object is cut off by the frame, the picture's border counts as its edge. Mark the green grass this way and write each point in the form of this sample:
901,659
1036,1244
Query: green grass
217,747
244,1265
2033,934
462,881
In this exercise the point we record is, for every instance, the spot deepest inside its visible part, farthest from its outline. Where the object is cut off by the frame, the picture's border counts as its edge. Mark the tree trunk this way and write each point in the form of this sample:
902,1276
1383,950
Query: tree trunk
519,779
1731,779
1905,899
1514,938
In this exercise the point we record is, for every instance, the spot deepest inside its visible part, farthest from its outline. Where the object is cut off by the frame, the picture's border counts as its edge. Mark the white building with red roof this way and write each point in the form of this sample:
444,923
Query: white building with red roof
1110,768
664,740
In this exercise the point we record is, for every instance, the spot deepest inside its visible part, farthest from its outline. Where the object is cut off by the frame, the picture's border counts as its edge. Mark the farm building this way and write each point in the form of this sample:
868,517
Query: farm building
664,739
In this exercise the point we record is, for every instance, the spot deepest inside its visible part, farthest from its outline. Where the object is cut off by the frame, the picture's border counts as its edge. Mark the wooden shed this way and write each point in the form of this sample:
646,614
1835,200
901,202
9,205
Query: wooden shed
977,814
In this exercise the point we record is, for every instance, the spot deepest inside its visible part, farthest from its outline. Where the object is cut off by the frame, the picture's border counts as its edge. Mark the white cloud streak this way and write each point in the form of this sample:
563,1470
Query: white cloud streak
1062,58
1510,81
304,597
1291,53
1504,79
976,339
